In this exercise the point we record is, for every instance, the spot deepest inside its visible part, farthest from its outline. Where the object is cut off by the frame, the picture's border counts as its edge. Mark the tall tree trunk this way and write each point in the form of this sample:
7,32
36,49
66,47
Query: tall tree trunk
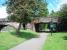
18,30
24,26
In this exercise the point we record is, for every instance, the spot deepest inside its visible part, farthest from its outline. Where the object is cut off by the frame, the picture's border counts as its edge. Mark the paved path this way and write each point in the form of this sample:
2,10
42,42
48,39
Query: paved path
32,44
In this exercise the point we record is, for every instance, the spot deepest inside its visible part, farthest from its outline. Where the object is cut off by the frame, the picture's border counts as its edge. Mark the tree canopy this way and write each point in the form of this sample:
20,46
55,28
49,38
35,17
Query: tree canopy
63,10
17,8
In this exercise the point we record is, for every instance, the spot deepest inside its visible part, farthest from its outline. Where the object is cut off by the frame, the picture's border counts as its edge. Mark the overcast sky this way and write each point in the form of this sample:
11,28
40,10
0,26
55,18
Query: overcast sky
52,5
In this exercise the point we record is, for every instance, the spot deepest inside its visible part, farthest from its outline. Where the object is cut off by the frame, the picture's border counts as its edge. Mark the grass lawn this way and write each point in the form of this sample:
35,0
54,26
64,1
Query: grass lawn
58,41
9,39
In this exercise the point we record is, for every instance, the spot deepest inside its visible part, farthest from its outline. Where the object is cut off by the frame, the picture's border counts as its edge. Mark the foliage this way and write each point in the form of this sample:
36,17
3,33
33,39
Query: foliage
42,8
54,14
25,9
63,10
20,10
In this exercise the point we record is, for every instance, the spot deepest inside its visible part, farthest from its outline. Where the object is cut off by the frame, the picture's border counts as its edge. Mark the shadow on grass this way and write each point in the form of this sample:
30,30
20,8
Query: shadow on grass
65,37
26,35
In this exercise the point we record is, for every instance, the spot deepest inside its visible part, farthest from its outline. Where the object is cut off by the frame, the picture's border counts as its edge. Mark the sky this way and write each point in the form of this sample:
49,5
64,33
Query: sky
55,4
3,12
52,5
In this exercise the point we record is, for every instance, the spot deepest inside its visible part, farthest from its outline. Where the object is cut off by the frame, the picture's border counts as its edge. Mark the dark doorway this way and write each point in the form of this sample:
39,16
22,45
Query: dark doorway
1,26
37,27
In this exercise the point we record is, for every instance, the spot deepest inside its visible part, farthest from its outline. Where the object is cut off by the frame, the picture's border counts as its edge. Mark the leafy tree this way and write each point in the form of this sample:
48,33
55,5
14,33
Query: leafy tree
41,8
23,11
20,11
63,10
54,14
63,15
